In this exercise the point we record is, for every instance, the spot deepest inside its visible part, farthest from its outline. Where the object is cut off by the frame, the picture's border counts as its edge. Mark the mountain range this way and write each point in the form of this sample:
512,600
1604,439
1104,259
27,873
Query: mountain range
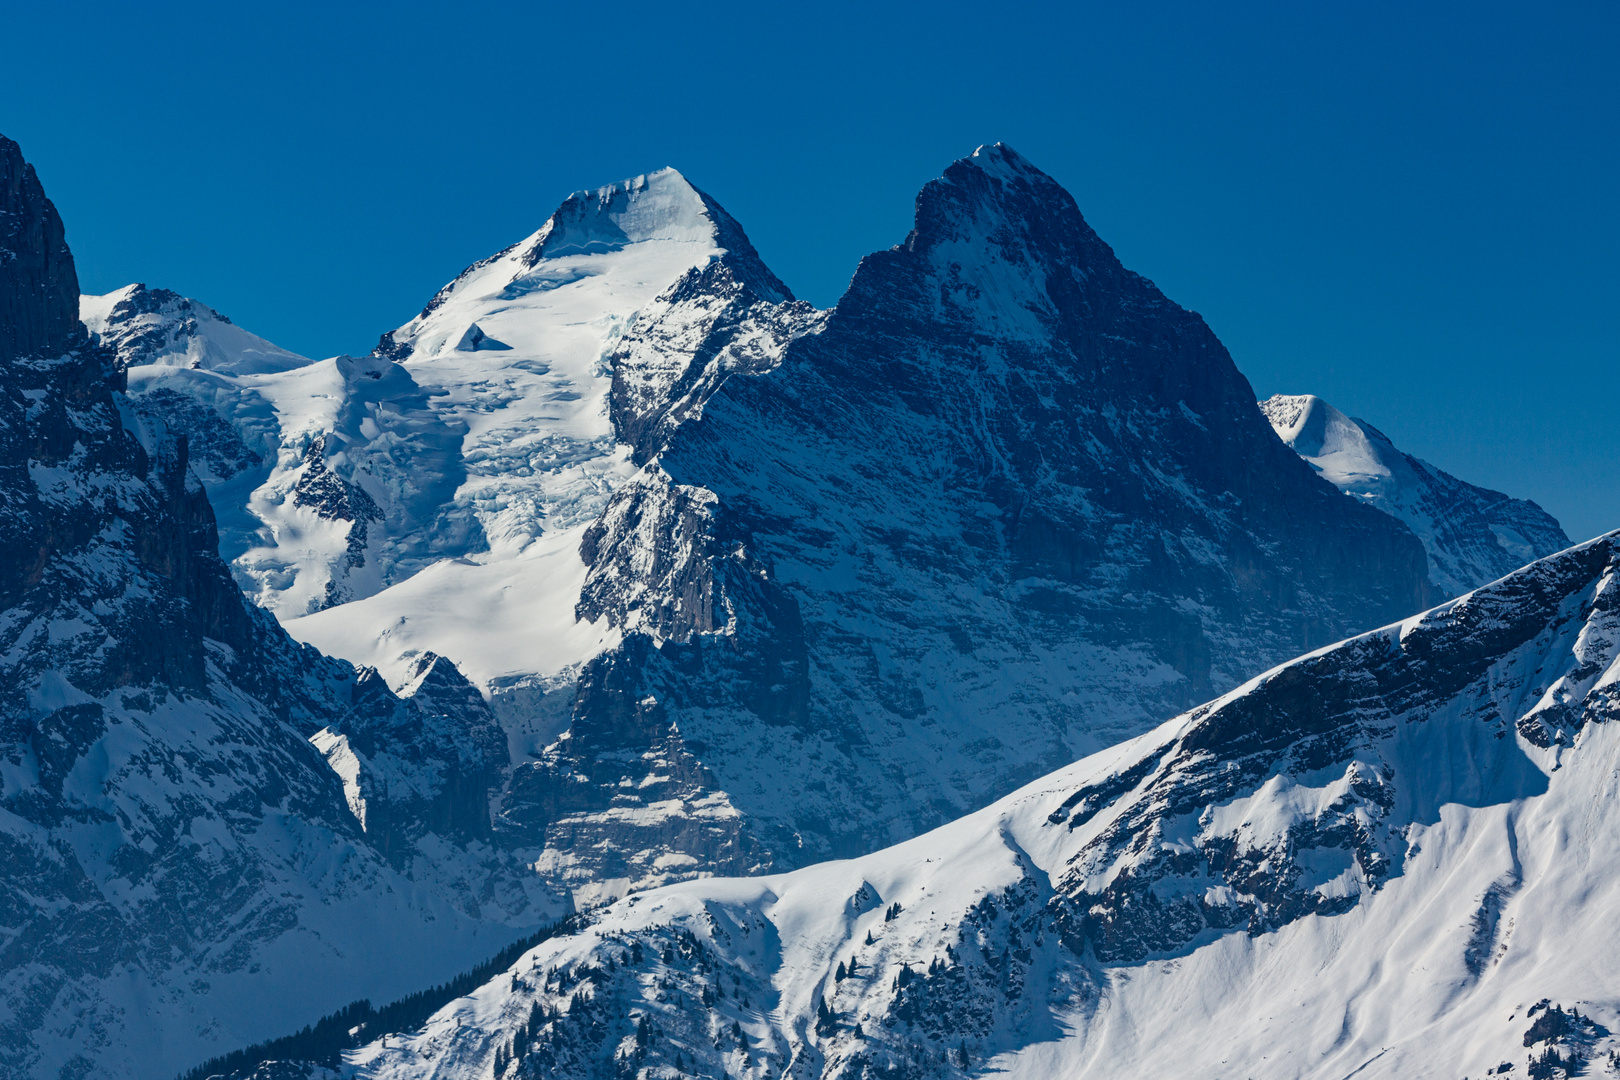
618,567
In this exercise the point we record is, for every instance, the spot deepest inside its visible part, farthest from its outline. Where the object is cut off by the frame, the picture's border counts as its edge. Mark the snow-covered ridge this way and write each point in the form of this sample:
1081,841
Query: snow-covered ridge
1387,858
1472,534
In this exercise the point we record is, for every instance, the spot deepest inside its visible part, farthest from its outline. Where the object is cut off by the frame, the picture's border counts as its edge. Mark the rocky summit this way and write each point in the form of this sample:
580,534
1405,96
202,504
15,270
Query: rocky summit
1003,505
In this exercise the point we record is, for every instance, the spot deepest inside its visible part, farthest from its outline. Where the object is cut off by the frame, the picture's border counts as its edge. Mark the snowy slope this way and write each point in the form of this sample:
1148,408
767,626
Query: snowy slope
1472,534
1383,859
183,870
515,354
191,370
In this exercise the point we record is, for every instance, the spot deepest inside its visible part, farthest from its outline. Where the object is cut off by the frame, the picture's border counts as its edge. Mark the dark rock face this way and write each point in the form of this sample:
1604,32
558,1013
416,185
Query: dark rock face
421,763
135,340
39,288
622,796
1006,503
728,317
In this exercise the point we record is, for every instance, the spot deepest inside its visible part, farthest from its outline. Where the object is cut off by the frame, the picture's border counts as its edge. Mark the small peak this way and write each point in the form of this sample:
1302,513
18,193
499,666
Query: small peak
1313,428
475,340
1290,413
431,674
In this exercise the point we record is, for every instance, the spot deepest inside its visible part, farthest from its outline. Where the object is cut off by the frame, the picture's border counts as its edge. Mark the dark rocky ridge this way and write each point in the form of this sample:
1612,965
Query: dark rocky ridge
1444,687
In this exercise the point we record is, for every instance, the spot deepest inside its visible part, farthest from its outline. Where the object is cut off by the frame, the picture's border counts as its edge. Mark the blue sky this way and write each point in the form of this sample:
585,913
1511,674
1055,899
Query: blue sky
1409,209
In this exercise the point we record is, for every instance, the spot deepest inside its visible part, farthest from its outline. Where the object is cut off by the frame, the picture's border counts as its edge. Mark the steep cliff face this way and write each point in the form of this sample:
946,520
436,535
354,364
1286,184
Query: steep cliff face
1388,858
1472,534
1005,504
175,847
38,307
424,762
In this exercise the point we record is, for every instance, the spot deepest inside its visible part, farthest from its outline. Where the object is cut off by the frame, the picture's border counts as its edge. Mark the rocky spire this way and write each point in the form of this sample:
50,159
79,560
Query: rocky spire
39,289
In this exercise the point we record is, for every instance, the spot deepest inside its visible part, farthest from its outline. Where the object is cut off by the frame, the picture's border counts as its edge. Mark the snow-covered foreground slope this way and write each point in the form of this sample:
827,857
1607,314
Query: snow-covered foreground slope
1383,859
1472,534
181,870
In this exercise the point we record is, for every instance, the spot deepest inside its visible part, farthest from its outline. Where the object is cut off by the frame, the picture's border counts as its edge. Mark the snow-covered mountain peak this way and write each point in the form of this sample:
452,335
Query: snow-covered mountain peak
1472,534
160,328
661,205
519,381
1338,446
645,231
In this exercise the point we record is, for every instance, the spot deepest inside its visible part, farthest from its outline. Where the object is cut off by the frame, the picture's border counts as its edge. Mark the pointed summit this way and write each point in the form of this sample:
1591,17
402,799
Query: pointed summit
1313,429
650,228
660,205
1005,238
1000,442
657,206
39,288
999,159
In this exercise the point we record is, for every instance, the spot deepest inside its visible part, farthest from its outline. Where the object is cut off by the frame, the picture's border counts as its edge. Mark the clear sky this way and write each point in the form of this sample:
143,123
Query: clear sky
1409,209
